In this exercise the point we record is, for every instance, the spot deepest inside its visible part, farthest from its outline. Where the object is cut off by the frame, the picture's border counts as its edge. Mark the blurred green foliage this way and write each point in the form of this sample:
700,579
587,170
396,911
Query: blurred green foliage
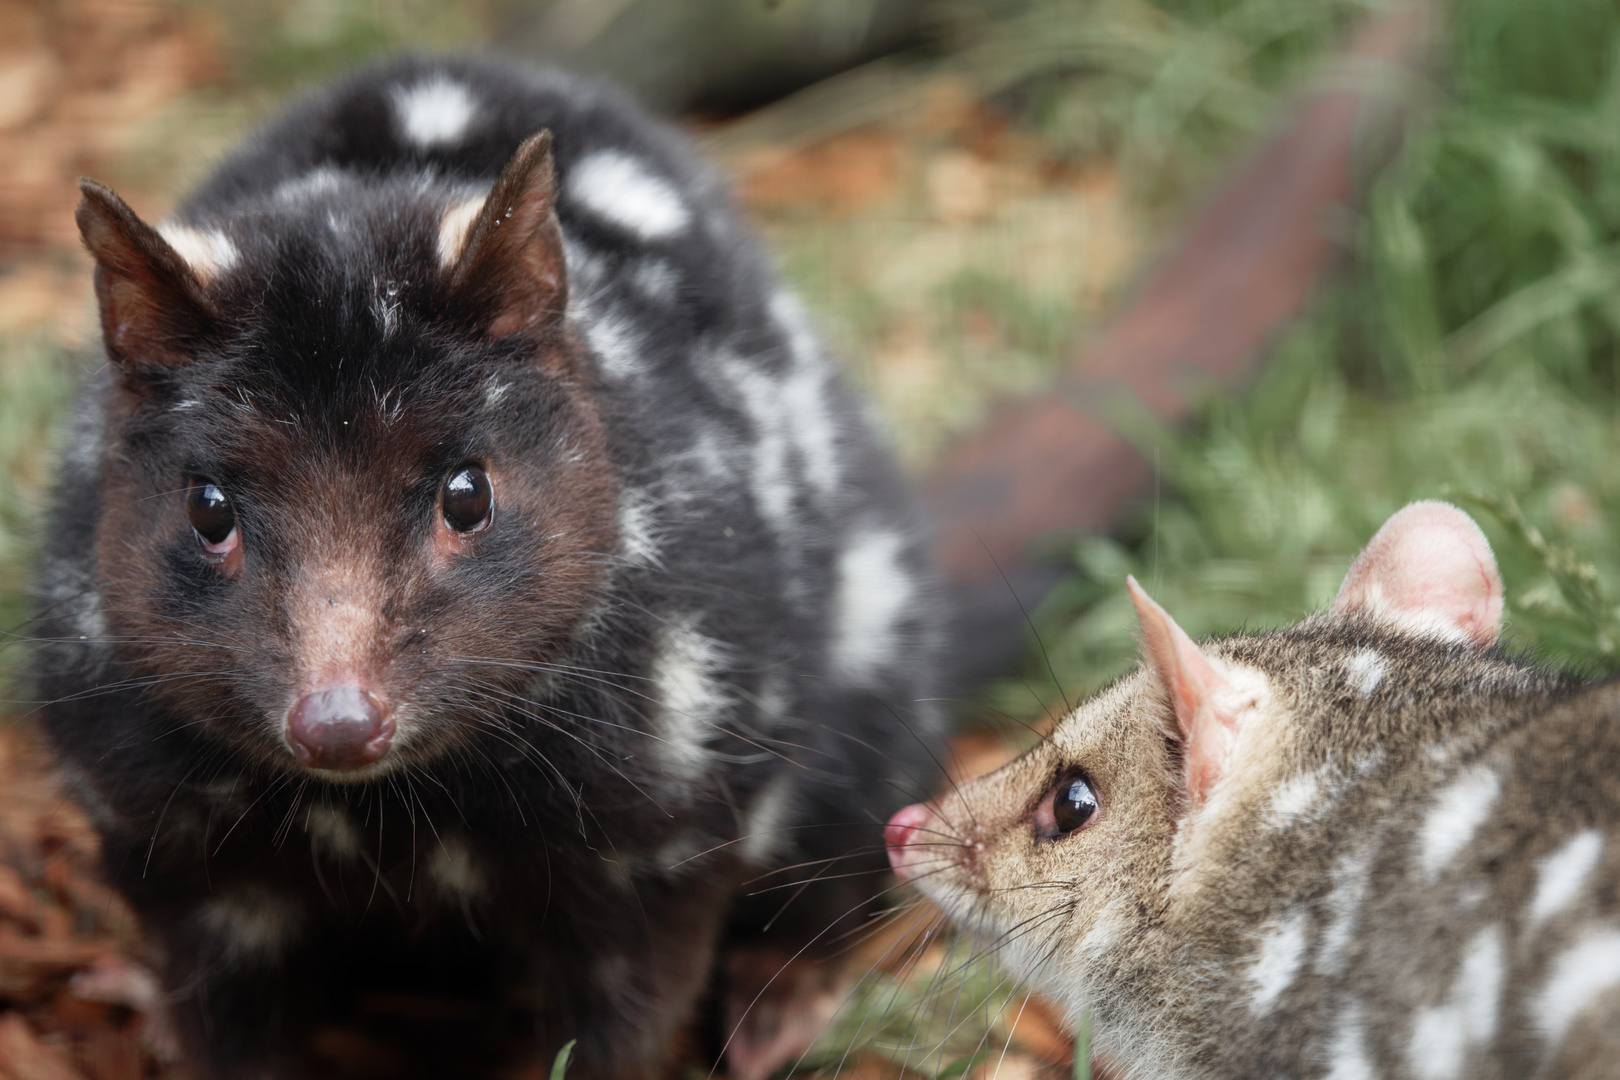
36,382
279,45
939,1021
1164,87
1471,352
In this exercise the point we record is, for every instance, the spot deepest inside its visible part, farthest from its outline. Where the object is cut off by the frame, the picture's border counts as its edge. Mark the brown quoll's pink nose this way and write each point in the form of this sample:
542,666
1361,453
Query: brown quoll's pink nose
341,727
901,833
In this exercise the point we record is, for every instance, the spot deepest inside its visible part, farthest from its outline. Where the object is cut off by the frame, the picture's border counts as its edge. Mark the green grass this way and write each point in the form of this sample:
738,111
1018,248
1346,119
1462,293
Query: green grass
1471,352
282,45
36,381
937,1022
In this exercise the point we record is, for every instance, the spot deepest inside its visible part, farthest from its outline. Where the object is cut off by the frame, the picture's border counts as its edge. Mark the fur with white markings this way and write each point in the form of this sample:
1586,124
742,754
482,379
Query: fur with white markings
1370,844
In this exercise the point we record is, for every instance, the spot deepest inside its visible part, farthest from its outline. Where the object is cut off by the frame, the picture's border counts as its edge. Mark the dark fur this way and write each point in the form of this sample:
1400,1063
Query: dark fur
167,678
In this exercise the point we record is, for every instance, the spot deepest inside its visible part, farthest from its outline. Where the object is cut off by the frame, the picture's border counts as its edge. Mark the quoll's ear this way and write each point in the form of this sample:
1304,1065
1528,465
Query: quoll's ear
153,308
504,258
1209,707
1428,570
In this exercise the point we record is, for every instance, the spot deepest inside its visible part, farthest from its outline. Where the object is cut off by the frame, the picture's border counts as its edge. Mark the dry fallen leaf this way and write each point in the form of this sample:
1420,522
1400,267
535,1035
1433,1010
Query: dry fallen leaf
23,1056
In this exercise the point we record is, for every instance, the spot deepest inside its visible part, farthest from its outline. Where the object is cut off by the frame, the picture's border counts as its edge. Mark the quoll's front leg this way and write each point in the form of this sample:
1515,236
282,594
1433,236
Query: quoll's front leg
626,983
246,986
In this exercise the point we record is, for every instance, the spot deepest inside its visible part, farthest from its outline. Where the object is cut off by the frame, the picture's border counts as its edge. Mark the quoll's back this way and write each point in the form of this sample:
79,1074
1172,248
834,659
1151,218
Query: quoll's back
467,571
1368,845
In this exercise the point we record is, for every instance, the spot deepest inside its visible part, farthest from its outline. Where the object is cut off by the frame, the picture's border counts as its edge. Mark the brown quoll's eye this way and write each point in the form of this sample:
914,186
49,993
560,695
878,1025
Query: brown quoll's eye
1071,805
212,516
469,504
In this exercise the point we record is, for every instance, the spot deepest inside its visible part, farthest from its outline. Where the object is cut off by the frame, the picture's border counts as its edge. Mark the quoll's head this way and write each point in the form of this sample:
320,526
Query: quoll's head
1070,857
354,482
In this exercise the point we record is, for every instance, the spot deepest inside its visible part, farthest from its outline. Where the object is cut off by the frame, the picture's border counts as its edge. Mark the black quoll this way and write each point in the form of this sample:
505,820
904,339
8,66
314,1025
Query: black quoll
473,599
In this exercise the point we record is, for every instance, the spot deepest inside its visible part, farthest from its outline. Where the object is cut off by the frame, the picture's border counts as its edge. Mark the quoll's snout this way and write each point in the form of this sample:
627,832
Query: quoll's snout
906,836
341,727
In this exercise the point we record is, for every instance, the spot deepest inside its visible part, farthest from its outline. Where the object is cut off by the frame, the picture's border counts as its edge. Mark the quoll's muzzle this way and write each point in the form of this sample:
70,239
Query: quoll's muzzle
341,728
904,837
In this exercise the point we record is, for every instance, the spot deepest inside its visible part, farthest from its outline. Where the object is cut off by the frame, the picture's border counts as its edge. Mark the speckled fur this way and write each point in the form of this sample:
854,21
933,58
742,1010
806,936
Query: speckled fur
1409,868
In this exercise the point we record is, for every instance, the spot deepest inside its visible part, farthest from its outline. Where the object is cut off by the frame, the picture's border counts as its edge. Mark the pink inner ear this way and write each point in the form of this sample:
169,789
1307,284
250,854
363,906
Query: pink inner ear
1199,694
1429,570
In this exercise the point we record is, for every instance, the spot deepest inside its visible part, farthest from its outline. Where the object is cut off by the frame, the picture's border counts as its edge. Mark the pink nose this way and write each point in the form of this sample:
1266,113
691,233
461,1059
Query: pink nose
901,834
341,727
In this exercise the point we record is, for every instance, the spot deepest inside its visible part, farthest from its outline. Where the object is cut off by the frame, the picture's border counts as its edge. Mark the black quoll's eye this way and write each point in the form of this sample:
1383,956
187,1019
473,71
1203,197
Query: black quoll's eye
469,503
212,516
1071,805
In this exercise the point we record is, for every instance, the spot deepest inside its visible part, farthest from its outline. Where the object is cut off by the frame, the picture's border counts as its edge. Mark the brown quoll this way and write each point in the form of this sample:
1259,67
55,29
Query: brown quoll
1367,845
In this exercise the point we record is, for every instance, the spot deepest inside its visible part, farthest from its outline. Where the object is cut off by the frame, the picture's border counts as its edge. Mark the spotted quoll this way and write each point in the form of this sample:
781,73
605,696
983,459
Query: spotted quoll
1368,845
471,582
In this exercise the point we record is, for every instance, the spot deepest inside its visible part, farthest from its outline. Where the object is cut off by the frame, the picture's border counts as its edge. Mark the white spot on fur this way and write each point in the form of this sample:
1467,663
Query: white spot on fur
617,346
689,697
1584,971
762,828
1343,908
620,189
1104,934
318,181
89,619
452,867
252,923
87,440
1458,811
772,701
1282,948
1472,894
874,588
680,852
453,229
1294,797
637,539
185,403
792,421
656,279
435,111
332,832
1559,876
1347,1050
1365,671
585,272
803,398
806,395
89,796
224,791
208,252
791,317
1443,1034
494,392
710,453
